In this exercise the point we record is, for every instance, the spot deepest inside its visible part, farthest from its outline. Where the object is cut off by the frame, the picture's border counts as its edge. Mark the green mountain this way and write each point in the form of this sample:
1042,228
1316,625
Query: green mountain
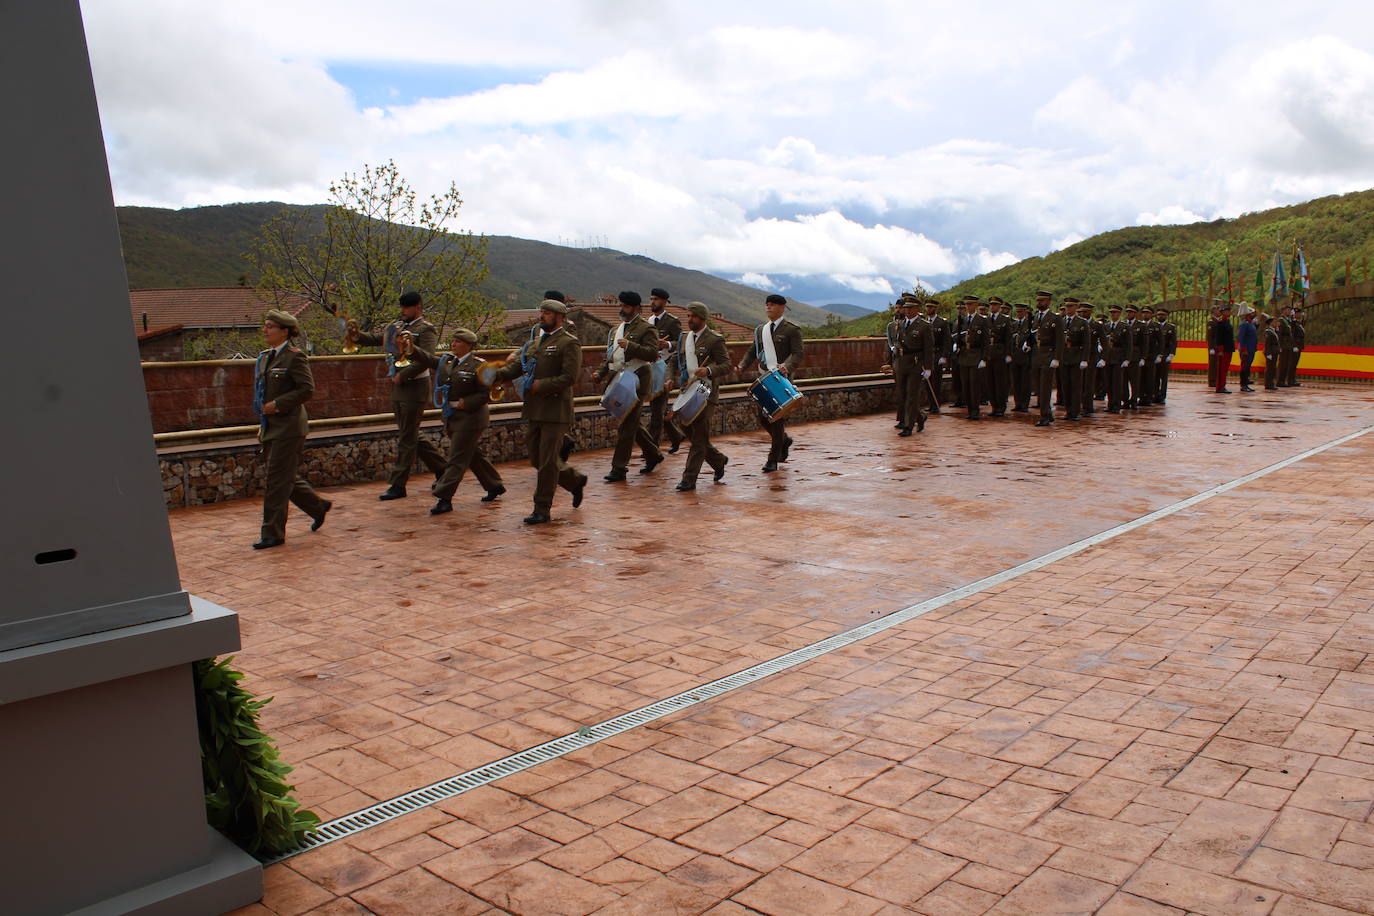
1126,265
204,246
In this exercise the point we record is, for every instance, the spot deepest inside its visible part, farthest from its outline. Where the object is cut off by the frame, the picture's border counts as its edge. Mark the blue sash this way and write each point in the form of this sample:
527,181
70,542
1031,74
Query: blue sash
260,386
441,391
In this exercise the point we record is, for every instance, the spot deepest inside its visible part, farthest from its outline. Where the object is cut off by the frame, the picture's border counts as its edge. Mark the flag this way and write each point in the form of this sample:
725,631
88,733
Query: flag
1302,281
1259,283
1279,287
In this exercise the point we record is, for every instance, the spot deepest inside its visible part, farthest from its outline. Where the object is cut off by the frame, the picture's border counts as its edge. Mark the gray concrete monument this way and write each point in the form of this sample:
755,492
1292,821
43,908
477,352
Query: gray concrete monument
101,804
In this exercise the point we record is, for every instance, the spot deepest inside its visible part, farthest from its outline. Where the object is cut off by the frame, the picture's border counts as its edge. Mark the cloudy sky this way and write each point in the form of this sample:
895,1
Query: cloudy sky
836,151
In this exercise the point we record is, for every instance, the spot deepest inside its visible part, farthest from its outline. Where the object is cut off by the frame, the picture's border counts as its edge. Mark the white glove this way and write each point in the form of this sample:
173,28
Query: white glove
1101,363
1295,349
1083,364
1169,358
925,373
1125,364
1211,352
1025,348
941,362
982,364
1156,359
1142,362
1054,364
1008,359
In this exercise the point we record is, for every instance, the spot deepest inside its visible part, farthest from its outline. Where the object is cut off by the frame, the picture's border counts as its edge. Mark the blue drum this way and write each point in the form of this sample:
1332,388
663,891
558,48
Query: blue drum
658,377
776,395
622,394
689,403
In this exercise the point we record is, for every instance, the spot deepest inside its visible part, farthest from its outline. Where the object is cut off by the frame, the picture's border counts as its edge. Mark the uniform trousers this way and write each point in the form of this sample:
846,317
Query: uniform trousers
631,432
900,372
1293,357
1147,381
1116,384
998,383
1247,359
1044,389
971,388
281,459
1090,386
409,442
1271,372
1223,367
1073,386
777,435
912,397
698,432
465,429
543,441
1162,381
1133,384
657,407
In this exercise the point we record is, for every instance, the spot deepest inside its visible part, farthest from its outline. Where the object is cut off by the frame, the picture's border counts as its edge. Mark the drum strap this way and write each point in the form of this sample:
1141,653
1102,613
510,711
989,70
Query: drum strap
689,354
769,351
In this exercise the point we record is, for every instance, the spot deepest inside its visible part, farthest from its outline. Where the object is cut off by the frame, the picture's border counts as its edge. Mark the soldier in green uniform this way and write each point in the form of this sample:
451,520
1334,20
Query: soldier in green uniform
1022,339
786,341
1152,356
669,329
410,390
631,347
1077,343
972,341
892,366
1093,358
944,340
700,355
1120,354
915,356
1273,350
462,397
1211,347
1299,344
548,407
282,383
999,357
1137,359
1168,338
1046,355
1284,326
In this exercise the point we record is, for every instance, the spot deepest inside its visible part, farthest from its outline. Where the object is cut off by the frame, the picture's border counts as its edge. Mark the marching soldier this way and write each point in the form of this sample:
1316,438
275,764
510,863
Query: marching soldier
1225,337
915,356
548,408
1047,355
1078,337
972,358
1212,348
777,345
701,355
463,398
1273,349
1149,355
631,346
999,355
1022,339
669,329
282,383
1168,337
1120,355
957,328
410,389
944,342
894,327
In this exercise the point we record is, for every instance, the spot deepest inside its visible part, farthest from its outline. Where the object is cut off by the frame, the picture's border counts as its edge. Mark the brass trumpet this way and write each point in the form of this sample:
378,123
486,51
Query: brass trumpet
486,374
405,345
350,341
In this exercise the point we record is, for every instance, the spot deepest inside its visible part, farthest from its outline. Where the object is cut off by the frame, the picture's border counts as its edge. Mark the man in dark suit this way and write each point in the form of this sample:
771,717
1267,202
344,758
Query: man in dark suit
669,330
784,339
1225,338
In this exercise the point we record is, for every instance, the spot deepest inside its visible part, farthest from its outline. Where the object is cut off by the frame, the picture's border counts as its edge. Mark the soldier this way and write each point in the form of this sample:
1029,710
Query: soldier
944,342
1225,337
972,357
1150,356
1100,329
282,383
1299,344
669,329
915,356
1078,339
1120,354
410,390
548,408
1168,337
899,317
1022,337
1042,310
700,354
631,346
1212,348
777,345
1047,355
957,328
999,352
463,399
1095,359
1138,342
1284,326
1247,344
1273,350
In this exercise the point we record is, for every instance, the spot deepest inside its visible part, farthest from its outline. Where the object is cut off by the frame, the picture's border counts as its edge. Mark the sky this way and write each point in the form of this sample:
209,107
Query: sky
835,152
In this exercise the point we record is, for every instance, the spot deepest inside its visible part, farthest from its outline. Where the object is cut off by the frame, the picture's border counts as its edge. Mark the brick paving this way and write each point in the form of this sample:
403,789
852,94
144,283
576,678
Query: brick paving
1180,720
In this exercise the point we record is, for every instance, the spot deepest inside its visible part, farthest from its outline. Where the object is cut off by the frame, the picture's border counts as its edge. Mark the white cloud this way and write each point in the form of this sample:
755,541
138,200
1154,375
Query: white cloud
1064,241
865,284
987,261
761,281
1172,215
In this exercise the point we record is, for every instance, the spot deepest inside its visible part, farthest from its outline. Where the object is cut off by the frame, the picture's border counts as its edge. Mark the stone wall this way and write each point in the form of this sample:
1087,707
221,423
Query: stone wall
195,475
215,393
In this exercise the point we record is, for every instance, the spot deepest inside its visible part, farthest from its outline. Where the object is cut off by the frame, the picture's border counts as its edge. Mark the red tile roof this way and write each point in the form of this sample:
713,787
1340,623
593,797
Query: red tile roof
206,307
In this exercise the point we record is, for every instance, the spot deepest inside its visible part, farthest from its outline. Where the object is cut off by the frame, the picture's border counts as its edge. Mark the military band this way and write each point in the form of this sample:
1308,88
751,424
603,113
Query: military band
462,397
777,346
702,359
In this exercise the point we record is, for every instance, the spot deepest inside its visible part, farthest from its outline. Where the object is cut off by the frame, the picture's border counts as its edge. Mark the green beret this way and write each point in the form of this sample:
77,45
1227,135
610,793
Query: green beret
553,305
700,310
284,319
465,336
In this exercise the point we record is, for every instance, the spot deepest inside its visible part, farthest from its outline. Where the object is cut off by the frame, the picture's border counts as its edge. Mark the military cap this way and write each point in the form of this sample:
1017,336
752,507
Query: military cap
1083,305
1113,308
1100,316
630,297
465,336
1161,311
970,298
699,309
553,305
775,299
1022,306
658,292
1070,300
1131,308
555,294
282,319
410,298
932,303
1042,294
996,299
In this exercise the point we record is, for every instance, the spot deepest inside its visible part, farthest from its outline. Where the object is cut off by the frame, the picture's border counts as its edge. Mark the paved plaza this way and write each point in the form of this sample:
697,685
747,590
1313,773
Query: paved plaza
1179,719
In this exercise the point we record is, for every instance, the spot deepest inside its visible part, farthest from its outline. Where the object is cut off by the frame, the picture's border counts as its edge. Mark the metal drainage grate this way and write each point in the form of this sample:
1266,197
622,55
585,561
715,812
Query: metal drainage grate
381,812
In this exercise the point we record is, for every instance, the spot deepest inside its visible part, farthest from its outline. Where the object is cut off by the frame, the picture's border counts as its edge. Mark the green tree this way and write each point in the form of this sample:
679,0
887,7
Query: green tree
377,239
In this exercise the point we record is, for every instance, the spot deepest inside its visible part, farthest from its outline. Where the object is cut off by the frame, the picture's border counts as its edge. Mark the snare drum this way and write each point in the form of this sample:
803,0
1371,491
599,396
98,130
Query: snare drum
776,395
689,403
622,394
658,377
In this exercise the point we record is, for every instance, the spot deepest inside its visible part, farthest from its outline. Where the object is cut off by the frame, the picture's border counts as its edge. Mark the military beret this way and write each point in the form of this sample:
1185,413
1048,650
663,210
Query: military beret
630,297
410,298
553,305
658,292
699,309
465,336
775,299
555,294
282,319
1042,294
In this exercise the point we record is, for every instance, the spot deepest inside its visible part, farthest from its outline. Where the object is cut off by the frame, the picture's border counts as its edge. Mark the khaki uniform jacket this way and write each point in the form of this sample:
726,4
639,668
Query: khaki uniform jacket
711,353
425,340
893,328
290,385
1154,340
1120,342
1285,335
1049,339
1099,329
1168,338
465,392
916,345
999,337
1022,338
1078,340
668,327
944,340
1272,344
973,340
641,342
1299,335
787,342
1141,336
557,361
